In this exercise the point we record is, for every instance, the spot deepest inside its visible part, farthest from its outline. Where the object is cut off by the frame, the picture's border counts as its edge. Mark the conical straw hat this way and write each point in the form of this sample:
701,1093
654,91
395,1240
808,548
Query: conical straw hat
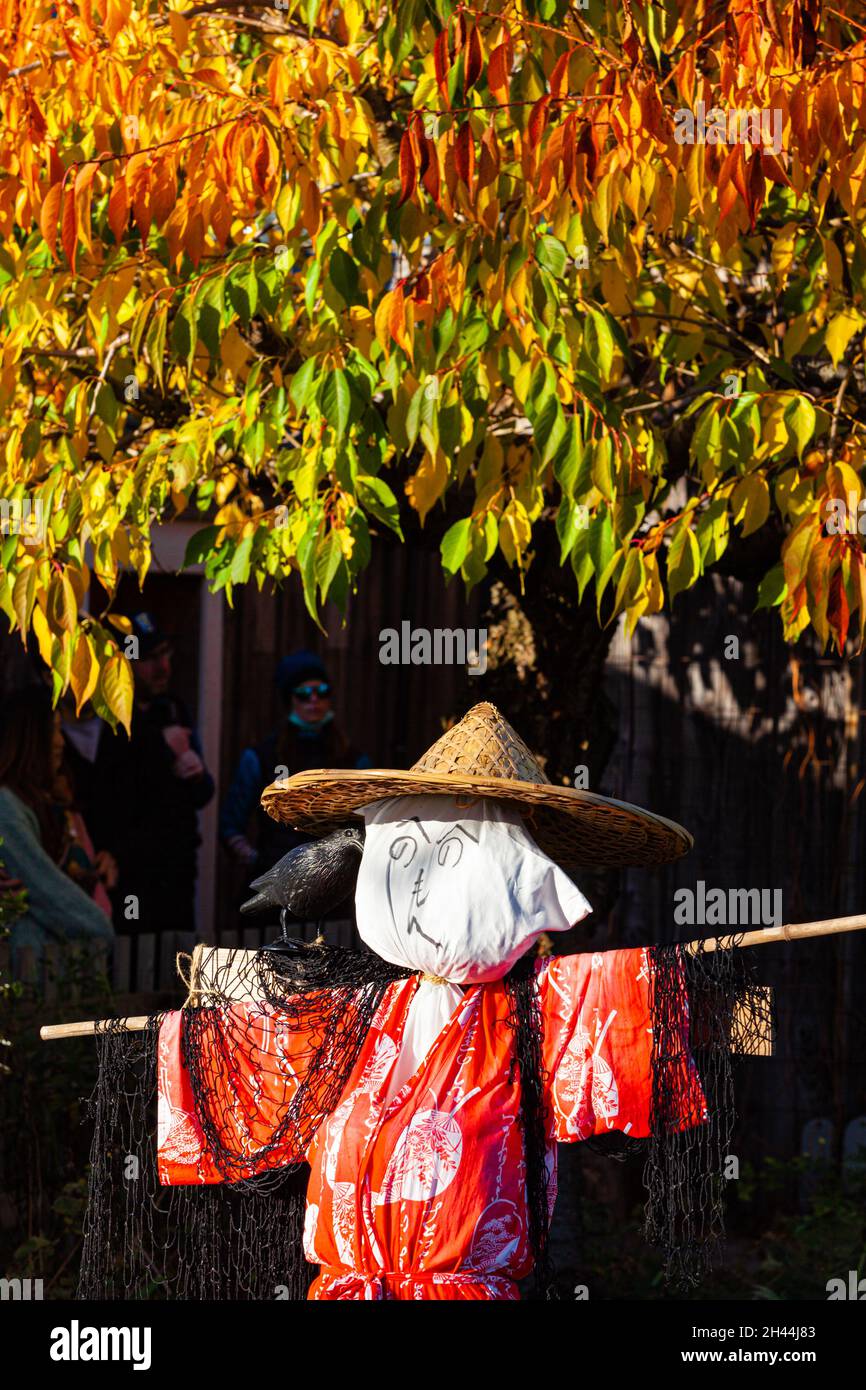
483,756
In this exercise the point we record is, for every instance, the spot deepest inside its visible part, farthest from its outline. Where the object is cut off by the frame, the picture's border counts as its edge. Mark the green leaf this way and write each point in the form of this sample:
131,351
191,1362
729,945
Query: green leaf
600,541
549,428
551,255
377,498
155,343
239,572
455,544
200,546
800,418
336,401
599,341
301,383
602,466
343,275
307,564
566,465
684,560
329,553
772,588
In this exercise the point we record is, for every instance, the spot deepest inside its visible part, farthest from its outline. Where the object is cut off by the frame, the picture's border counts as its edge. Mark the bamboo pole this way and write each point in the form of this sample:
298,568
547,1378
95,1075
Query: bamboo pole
799,931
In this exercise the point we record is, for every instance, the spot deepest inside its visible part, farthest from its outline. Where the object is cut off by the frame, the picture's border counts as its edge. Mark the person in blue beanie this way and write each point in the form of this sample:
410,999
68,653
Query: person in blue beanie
308,737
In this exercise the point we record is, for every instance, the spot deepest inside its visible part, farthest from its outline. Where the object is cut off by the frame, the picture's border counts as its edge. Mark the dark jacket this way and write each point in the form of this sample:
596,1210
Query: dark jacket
147,817
284,747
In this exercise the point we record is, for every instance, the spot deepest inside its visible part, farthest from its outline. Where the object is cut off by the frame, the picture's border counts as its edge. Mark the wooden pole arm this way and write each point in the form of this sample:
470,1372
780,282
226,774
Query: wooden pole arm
765,937
832,926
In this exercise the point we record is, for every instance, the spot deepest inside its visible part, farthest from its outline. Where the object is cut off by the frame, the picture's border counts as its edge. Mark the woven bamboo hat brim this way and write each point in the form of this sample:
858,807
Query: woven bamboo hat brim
483,756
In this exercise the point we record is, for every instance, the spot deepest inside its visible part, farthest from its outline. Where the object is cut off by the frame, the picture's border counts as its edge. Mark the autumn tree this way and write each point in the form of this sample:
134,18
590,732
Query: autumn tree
324,272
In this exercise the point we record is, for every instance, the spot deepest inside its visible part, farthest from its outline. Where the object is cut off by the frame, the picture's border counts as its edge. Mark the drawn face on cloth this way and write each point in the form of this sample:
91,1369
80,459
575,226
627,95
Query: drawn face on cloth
460,891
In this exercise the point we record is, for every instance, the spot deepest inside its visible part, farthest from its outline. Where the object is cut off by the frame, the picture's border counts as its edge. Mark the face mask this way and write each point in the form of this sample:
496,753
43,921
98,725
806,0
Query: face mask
310,727
459,892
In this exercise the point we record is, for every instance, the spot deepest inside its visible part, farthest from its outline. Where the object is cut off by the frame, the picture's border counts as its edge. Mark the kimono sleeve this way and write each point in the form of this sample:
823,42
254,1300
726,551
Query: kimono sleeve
254,1064
598,1039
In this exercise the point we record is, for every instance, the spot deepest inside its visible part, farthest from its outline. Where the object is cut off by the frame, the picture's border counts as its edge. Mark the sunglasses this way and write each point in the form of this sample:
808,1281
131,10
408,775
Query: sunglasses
306,692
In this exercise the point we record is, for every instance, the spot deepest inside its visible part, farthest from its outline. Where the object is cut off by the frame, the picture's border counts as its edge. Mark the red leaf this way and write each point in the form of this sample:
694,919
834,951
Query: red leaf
838,612
488,166
442,62
586,147
538,119
755,188
408,169
773,169
261,162
464,155
430,177
474,60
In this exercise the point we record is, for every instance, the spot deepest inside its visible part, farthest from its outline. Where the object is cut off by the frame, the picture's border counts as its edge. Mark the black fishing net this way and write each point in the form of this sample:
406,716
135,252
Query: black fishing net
241,1238
721,1013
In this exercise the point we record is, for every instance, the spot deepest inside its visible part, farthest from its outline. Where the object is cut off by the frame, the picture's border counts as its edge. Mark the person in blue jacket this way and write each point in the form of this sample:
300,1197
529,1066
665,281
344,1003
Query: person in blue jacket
307,737
31,831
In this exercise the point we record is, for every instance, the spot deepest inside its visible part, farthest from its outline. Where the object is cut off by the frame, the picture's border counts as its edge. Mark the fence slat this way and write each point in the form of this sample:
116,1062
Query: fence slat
145,973
121,967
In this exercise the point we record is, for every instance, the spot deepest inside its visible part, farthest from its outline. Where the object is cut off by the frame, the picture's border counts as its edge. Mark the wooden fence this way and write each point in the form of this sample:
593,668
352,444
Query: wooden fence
142,966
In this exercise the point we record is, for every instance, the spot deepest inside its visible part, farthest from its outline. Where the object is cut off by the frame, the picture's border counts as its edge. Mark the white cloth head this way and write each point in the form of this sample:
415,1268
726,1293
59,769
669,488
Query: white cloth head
458,891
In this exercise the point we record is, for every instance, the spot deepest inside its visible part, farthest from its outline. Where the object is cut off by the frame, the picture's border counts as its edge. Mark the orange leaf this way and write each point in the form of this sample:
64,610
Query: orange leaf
118,209
69,225
537,122
261,162
49,214
559,76
397,320
499,70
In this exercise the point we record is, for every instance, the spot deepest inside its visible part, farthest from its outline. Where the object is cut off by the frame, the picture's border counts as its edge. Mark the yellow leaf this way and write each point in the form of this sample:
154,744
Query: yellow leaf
751,502
62,605
117,688
840,331
23,596
428,483
515,533
84,671
43,635
783,251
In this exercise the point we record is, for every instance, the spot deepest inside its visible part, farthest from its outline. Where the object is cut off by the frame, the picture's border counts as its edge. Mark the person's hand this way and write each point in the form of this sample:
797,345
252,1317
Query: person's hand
106,867
188,765
177,738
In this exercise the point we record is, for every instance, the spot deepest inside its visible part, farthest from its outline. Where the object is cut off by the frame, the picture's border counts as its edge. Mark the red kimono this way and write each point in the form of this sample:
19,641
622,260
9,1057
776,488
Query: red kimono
421,1194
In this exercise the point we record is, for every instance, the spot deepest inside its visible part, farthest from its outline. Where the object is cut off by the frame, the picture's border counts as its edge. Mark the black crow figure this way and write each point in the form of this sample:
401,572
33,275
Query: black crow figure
312,879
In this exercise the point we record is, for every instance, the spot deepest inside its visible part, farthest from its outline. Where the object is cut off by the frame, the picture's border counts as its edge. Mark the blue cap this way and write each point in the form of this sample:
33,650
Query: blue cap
297,667
150,636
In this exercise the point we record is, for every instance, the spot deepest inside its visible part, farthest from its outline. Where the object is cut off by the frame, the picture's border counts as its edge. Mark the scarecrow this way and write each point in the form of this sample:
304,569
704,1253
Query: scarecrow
388,1120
